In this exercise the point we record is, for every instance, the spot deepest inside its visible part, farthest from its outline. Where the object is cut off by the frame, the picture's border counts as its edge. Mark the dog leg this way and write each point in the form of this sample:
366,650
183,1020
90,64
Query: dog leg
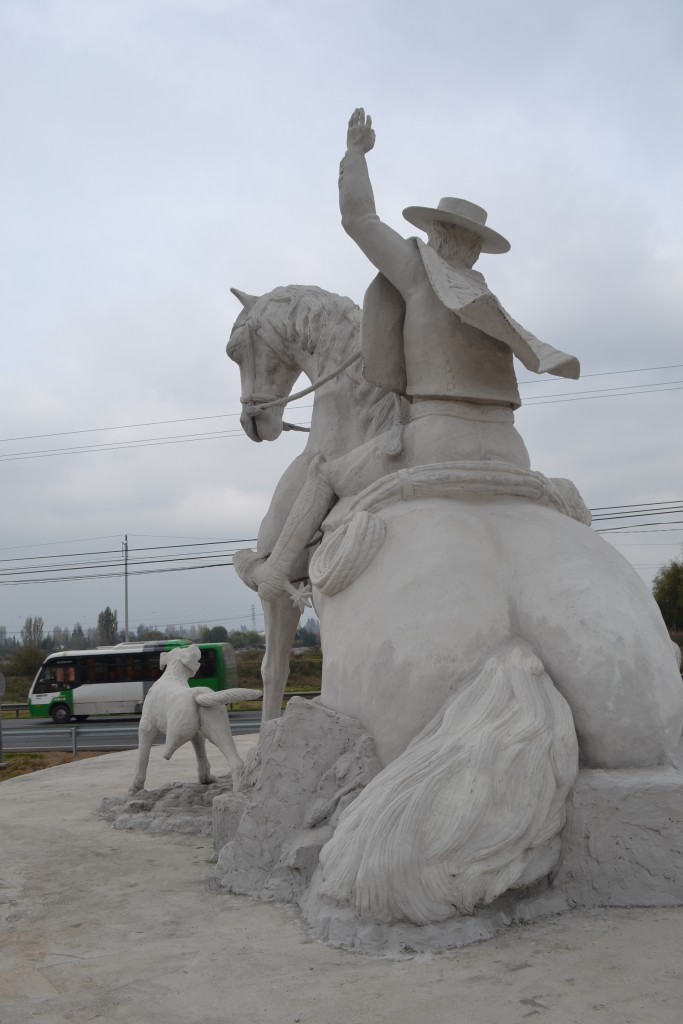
215,726
145,740
203,766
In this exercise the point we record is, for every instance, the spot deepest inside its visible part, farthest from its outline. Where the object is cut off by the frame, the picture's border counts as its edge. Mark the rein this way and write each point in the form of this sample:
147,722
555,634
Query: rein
249,399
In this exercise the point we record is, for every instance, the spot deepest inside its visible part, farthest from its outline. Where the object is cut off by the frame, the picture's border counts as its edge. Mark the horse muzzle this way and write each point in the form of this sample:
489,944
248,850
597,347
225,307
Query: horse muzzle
261,424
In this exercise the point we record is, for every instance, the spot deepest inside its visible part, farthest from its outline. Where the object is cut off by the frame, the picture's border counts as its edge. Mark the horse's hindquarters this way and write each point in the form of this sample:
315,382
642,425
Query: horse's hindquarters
454,580
399,638
597,629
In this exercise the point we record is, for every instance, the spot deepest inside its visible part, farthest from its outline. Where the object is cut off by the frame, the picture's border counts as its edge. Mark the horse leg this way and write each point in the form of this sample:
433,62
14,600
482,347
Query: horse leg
304,520
281,619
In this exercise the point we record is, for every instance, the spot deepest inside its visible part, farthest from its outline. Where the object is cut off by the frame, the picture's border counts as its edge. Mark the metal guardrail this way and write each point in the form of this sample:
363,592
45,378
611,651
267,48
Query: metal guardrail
58,733
17,708
54,736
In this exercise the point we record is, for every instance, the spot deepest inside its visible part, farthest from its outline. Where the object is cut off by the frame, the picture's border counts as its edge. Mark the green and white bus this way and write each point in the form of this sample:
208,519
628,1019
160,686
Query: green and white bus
116,680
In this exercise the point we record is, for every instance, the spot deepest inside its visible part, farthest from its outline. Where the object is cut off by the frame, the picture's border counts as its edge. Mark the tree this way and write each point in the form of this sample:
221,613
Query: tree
241,638
25,661
667,588
150,634
306,637
215,635
60,638
32,631
107,627
78,640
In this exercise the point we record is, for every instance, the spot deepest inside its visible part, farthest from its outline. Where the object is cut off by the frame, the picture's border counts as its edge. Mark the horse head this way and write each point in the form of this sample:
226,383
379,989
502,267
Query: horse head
267,371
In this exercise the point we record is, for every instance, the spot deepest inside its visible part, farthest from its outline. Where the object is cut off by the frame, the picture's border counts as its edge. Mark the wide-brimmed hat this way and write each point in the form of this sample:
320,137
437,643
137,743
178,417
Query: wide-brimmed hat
464,214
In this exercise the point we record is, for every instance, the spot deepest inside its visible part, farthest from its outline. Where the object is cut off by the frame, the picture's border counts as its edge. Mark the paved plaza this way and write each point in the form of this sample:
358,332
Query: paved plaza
104,925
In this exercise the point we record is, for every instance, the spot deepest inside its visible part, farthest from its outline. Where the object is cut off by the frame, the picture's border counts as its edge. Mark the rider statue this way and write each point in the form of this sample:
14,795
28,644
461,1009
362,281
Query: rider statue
433,333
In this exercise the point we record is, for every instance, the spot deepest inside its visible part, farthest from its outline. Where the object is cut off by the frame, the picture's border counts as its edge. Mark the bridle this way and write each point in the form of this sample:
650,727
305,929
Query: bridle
263,402
259,403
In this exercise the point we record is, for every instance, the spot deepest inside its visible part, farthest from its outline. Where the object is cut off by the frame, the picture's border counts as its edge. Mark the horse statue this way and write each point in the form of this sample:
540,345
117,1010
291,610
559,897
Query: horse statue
276,337
545,647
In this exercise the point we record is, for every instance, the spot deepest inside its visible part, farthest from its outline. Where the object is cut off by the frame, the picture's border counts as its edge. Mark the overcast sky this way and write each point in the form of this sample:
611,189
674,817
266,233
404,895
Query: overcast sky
157,152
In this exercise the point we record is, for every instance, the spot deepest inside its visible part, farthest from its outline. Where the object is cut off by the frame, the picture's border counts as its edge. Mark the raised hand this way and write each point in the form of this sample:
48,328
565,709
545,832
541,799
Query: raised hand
360,135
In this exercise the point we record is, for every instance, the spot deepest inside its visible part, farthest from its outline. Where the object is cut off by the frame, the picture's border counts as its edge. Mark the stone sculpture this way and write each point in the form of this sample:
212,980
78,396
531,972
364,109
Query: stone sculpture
188,714
473,625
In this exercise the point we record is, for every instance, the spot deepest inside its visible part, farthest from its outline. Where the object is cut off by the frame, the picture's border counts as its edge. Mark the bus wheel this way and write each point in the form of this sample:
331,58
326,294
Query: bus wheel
81,718
60,714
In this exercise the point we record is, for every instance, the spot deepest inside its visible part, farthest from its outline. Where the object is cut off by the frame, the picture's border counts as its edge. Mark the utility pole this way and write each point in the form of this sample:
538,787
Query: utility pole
125,584
2,693
253,618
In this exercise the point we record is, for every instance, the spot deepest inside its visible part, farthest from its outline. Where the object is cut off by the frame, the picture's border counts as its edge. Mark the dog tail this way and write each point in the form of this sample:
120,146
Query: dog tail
211,698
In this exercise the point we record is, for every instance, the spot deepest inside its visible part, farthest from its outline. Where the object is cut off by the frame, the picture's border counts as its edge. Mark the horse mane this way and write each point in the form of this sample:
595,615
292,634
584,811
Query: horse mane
327,325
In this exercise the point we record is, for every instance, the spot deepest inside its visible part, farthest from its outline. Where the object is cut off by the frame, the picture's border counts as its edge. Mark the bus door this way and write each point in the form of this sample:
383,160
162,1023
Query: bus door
54,685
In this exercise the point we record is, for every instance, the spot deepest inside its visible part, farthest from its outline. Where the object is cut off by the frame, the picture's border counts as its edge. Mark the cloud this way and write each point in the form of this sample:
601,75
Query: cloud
159,152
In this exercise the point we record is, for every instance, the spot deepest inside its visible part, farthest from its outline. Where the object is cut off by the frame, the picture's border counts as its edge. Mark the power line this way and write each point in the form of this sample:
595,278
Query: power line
660,528
640,504
120,426
114,551
123,445
229,415
615,392
153,442
606,373
176,620
587,396
111,575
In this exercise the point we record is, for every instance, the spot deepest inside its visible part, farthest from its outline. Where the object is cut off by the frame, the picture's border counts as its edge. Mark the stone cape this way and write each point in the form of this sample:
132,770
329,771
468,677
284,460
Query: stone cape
464,292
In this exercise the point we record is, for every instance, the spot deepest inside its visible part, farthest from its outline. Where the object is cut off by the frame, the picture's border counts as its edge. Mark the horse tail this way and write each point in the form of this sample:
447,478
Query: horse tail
473,807
212,698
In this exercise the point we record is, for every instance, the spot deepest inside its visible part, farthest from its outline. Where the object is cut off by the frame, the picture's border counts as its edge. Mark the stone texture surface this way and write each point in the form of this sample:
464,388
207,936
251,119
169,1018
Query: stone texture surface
176,807
622,846
313,762
623,839
227,809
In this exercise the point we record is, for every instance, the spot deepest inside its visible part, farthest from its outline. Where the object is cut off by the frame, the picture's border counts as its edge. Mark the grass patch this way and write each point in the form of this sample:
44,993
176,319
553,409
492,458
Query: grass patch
24,764
305,670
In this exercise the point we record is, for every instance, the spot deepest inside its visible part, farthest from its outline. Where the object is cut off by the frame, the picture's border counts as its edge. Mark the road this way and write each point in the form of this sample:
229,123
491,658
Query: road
36,735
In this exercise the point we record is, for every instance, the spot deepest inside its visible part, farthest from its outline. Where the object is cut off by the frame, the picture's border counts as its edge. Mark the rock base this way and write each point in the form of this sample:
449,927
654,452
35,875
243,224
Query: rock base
622,845
309,766
177,807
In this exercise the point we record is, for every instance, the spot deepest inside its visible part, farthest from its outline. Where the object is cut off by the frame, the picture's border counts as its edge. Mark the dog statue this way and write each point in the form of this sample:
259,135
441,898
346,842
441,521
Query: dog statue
186,713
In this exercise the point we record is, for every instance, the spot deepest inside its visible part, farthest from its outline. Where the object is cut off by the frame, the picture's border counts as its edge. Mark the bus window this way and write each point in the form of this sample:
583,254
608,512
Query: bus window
207,665
150,666
47,680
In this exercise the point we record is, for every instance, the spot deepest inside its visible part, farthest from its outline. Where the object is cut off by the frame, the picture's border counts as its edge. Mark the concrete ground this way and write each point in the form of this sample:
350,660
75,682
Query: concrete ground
104,925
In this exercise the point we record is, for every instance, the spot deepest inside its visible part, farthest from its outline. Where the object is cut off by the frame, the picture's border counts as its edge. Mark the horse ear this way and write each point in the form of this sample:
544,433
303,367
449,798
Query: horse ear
246,299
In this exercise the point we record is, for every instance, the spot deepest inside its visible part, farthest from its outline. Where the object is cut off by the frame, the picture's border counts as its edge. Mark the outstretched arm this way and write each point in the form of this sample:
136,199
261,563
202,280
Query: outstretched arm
389,251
